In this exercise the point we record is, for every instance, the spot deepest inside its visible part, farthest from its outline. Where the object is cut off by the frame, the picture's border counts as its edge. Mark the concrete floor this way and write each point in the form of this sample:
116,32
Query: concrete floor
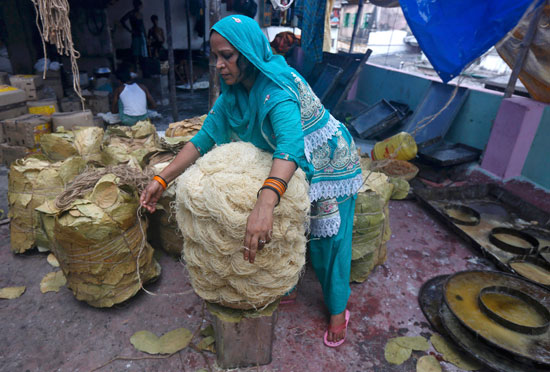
55,332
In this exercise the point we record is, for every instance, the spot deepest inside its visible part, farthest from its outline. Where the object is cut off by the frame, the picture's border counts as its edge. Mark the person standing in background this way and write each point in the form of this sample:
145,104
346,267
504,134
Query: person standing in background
155,37
137,29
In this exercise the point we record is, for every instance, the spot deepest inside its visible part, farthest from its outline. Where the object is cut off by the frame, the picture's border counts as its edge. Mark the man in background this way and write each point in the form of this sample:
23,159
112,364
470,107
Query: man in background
137,29
155,37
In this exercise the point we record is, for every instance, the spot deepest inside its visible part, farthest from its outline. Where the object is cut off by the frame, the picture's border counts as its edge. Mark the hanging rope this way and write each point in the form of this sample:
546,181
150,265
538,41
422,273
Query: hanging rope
56,29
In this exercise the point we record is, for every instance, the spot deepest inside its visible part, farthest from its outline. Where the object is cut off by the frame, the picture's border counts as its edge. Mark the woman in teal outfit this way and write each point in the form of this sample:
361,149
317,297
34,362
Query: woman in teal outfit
267,103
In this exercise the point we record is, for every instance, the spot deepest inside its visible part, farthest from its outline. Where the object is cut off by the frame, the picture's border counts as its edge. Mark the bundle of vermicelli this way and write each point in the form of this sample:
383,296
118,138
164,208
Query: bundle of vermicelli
56,29
214,199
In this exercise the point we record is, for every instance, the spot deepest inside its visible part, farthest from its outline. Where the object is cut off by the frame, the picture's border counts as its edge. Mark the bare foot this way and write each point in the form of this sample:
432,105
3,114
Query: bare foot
335,321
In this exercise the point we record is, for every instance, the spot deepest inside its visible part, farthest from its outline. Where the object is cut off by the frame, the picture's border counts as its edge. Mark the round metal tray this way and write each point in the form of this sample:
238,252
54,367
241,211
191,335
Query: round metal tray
533,242
509,298
533,260
485,353
460,294
430,298
544,253
472,217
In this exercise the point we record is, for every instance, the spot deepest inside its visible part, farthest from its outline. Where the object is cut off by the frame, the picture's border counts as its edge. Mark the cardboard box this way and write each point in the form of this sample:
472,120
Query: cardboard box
98,102
12,153
69,120
43,107
56,86
51,74
31,84
35,94
70,104
12,102
26,130
4,78
27,82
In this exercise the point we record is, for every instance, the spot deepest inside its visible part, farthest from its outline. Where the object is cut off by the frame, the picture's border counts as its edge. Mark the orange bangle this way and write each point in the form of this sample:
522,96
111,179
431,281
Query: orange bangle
162,182
275,185
281,185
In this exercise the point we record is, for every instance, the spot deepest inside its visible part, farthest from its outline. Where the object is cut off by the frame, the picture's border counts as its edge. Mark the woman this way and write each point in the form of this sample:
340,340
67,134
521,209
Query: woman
269,104
130,99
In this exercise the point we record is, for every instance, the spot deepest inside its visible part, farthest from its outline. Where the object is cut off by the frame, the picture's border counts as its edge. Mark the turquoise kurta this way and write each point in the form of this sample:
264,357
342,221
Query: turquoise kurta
282,115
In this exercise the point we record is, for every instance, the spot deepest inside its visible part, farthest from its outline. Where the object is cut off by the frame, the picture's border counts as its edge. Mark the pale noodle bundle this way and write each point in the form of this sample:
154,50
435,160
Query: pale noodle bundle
214,199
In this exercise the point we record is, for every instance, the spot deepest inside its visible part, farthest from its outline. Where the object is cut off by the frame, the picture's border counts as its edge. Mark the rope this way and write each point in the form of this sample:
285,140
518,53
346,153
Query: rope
141,247
85,182
56,29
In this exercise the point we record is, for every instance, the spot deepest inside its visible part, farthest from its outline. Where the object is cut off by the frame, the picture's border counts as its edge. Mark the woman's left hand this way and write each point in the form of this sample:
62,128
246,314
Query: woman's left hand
259,225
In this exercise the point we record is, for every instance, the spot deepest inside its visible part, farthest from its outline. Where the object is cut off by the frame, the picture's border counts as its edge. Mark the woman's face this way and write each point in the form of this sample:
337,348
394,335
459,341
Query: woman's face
226,59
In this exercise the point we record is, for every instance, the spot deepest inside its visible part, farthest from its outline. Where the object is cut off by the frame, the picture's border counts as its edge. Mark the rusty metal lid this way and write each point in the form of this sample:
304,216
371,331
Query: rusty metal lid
461,292
430,298
532,268
485,353
461,214
513,241
508,307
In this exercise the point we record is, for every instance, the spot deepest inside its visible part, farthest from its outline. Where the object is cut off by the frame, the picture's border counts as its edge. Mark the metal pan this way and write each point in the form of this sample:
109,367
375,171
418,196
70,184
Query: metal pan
544,253
461,214
430,298
522,236
504,304
460,294
532,268
487,354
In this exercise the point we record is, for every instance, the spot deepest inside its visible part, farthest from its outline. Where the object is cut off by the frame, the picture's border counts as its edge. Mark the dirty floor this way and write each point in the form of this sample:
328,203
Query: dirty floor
55,332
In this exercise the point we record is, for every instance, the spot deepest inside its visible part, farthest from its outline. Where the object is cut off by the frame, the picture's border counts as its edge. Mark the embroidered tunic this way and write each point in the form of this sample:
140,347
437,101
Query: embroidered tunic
282,115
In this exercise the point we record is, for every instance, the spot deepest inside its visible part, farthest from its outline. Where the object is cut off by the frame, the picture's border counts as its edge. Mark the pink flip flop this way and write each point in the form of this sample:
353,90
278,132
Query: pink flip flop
338,329
287,302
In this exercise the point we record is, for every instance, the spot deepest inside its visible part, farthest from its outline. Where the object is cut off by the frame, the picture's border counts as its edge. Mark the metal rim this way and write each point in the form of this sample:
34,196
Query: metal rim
462,322
544,253
512,248
426,290
487,354
537,306
534,261
470,211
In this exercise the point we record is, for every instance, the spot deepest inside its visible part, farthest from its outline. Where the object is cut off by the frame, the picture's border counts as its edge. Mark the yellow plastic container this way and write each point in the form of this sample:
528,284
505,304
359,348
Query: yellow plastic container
42,107
400,146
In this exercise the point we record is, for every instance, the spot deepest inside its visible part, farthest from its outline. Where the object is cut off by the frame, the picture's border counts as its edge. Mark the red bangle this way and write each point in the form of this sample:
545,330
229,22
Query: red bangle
161,180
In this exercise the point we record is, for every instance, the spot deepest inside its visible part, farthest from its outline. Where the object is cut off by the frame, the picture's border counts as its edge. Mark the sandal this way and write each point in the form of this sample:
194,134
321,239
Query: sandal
288,301
337,329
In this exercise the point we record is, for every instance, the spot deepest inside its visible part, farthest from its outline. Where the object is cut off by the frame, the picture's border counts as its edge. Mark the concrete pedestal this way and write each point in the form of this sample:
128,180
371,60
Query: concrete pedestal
245,343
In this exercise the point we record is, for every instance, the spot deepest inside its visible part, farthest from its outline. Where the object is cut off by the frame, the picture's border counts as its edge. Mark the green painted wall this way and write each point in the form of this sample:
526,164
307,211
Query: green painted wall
375,83
537,163
471,126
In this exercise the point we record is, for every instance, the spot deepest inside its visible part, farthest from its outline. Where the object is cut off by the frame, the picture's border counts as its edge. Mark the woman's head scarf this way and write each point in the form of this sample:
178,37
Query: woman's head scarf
243,109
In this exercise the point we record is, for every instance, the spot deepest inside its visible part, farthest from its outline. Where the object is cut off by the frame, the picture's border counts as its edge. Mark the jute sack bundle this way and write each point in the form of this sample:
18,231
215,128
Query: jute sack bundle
125,143
99,239
58,146
85,141
164,227
31,182
186,128
371,229
214,199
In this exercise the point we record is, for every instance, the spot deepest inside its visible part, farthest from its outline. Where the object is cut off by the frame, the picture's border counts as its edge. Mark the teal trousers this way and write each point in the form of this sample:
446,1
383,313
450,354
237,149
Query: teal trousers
331,259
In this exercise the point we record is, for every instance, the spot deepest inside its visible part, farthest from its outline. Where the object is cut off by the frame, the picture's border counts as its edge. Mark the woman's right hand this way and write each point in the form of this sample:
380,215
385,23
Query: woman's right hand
151,195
